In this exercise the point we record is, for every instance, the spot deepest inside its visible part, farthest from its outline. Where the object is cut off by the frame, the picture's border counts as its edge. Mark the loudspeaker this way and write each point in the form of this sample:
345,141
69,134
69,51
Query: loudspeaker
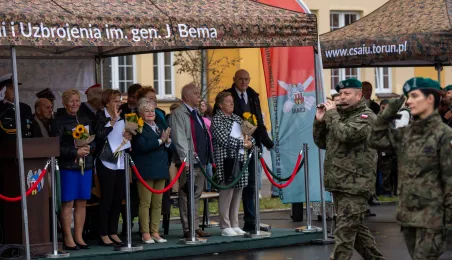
297,212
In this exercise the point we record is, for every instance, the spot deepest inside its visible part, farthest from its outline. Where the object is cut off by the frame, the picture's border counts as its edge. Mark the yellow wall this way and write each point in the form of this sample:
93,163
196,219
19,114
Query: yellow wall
251,61
429,72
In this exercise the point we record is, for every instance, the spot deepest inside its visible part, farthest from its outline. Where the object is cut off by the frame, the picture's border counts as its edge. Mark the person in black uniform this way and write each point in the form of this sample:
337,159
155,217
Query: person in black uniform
246,99
8,111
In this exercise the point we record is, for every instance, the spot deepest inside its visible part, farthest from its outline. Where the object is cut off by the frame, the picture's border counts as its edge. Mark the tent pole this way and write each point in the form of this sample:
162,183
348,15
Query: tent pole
439,68
20,152
320,85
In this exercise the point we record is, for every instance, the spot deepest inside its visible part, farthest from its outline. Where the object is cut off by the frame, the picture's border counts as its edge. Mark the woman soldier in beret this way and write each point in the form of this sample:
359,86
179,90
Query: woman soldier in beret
423,149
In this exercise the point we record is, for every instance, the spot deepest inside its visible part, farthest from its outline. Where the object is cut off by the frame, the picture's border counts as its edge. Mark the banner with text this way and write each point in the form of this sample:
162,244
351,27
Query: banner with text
290,79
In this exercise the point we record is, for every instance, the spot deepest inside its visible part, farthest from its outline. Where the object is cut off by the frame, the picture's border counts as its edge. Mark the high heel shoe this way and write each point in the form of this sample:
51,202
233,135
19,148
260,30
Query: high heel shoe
82,246
102,243
70,248
116,243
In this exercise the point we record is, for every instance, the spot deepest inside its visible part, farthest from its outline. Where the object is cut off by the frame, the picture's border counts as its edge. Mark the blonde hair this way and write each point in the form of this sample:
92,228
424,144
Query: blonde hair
67,94
145,103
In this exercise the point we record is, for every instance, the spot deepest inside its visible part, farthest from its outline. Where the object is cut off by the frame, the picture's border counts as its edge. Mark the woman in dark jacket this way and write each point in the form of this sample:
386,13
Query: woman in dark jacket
110,168
150,154
75,183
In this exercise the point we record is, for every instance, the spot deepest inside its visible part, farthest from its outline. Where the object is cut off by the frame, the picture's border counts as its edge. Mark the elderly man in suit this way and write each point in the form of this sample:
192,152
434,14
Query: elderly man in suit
190,133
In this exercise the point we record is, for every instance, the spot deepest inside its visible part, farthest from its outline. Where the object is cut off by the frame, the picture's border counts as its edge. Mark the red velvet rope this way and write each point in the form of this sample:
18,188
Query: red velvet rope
29,191
294,173
135,170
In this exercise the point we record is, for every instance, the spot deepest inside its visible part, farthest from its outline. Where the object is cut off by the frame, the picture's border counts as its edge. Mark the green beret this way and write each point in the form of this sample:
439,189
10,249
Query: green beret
420,83
349,83
447,88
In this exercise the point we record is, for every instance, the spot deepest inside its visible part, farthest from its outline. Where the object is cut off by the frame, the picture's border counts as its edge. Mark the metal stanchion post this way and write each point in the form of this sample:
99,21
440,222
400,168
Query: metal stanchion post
258,233
129,247
325,239
55,253
192,240
309,228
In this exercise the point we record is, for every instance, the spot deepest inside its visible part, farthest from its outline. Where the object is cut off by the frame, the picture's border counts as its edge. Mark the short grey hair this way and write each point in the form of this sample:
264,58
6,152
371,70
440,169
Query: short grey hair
187,89
95,93
145,103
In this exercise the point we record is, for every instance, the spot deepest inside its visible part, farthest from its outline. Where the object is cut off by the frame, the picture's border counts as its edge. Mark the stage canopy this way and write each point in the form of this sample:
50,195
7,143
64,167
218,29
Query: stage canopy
86,28
399,33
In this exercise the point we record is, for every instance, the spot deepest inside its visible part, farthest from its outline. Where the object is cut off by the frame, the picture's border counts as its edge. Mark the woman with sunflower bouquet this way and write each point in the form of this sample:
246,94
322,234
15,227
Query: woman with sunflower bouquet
110,167
73,129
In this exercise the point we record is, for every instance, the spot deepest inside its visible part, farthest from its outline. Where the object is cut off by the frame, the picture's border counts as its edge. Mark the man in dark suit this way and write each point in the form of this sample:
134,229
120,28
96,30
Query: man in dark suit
246,99
8,111
367,94
131,104
93,103
42,119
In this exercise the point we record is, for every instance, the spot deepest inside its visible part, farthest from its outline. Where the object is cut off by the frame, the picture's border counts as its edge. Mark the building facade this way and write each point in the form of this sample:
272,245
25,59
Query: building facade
157,70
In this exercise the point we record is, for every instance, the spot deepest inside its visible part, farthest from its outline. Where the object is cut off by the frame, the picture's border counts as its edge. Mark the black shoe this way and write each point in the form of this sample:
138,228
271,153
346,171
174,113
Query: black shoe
82,246
249,228
117,243
70,248
102,243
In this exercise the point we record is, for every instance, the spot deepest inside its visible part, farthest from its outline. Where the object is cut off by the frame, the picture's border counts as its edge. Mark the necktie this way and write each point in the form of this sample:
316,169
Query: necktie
194,114
242,101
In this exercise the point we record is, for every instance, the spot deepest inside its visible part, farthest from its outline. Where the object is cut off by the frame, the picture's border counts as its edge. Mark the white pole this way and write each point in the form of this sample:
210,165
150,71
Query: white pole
20,152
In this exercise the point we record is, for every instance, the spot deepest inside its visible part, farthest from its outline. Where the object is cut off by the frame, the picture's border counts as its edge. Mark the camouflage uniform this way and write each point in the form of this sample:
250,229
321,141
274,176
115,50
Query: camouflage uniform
423,150
350,172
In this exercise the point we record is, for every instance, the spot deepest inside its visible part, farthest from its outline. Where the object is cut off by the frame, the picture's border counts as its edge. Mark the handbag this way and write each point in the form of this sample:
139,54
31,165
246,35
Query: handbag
232,166
107,154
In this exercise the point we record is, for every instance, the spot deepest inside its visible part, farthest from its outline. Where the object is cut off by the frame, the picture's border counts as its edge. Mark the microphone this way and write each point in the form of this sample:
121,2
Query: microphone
337,105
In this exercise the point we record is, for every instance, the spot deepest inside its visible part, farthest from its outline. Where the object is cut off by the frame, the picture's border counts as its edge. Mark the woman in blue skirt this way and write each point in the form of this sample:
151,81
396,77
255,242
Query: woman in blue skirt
75,179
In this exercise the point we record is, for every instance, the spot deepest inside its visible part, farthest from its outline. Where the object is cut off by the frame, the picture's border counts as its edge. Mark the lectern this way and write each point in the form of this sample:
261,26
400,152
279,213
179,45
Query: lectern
37,151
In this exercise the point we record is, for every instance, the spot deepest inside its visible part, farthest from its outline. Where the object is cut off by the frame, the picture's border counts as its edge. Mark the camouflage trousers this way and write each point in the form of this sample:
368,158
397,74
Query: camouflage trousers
384,167
424,243
350,231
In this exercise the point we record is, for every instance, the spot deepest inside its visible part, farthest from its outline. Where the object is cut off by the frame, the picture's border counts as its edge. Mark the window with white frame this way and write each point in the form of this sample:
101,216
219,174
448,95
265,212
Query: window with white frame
123,72
164,75
338,20
383,80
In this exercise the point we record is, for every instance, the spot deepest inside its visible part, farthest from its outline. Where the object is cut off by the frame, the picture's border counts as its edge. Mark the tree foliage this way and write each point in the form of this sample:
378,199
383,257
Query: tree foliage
190,62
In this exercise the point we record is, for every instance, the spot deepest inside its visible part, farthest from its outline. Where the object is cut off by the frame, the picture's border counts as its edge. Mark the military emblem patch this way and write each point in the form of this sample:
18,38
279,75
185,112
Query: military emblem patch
364,116
340,84
406,88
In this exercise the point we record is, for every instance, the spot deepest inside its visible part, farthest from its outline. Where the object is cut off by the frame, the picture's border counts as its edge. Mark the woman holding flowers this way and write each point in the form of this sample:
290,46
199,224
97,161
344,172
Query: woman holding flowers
76,164
227,146
150,154
110,167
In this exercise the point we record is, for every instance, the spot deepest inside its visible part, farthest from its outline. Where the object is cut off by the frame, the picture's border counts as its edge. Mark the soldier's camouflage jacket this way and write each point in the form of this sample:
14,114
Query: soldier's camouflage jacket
350,164
424,153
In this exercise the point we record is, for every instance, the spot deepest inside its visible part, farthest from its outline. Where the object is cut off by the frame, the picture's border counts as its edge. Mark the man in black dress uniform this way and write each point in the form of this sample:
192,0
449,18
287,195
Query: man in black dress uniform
8,111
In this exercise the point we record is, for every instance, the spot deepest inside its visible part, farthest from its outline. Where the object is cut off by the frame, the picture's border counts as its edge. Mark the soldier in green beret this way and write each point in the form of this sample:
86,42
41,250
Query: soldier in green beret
445,109
350,167
423,150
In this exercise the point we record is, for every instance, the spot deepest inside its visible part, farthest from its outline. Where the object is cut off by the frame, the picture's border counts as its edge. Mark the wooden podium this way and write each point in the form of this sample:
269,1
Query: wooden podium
36,151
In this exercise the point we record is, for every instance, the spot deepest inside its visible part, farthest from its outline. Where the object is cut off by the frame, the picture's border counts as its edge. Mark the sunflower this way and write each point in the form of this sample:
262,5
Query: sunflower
131,115
254,120
140,122
246,115
76,135
80,129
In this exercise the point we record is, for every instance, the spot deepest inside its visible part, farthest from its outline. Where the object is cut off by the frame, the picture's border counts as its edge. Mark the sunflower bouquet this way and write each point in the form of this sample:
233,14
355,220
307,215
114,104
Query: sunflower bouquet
81,138
134,123
249,124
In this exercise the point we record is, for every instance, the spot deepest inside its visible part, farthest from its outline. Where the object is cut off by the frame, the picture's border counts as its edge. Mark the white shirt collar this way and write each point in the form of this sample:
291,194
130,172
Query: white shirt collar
245,95
189,107
107,115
